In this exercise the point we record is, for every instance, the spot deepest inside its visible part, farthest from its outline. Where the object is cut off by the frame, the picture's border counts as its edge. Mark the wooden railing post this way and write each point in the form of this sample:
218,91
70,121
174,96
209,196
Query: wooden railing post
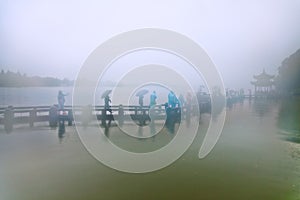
8,119
143,116
32,117
53,117
121,115
103,117
136,111
70,117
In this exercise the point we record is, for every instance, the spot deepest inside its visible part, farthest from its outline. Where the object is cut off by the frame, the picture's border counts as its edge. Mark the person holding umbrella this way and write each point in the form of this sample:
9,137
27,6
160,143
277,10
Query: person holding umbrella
141,95
107,100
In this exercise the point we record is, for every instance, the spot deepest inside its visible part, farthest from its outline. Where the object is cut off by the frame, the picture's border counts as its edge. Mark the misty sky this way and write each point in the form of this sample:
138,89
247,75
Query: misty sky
51,38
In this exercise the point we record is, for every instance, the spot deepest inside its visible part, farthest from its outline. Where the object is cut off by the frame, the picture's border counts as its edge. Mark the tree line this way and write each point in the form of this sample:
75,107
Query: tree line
16,79
288,79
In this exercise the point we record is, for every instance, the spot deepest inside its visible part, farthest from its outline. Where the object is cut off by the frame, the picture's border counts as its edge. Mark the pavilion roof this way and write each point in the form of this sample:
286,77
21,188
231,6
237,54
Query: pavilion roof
264,76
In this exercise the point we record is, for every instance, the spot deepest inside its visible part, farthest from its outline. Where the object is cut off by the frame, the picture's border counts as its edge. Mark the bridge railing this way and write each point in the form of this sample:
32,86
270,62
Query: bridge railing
31,114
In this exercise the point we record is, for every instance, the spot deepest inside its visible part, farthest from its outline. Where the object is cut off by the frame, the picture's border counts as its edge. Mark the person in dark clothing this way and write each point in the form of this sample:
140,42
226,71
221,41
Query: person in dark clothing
107,101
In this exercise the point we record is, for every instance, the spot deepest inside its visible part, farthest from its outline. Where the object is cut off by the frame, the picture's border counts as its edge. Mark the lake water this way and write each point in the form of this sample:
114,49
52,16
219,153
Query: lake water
252,160
33,96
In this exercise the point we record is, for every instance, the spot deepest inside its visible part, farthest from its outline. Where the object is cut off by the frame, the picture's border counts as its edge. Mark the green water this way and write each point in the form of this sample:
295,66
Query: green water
289,119
250,161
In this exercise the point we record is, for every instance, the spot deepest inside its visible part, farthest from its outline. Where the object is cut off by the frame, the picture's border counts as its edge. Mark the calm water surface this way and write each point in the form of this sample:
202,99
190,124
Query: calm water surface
250,161
29,96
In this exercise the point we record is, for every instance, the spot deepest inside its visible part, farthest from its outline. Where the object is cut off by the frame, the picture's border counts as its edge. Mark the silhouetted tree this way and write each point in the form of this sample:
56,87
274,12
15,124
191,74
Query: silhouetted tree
288,79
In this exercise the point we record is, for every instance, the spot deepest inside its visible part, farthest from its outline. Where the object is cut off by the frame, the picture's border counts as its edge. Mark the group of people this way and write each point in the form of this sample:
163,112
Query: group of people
173,101
153,98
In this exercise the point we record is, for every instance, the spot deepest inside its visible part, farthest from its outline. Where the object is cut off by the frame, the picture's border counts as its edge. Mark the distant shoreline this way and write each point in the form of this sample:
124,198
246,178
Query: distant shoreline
17,80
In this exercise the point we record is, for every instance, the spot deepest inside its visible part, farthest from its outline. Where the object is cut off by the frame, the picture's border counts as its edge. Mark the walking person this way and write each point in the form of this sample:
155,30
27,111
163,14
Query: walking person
153,98
141,95
107,101
107,107
61,100
141,100
172,99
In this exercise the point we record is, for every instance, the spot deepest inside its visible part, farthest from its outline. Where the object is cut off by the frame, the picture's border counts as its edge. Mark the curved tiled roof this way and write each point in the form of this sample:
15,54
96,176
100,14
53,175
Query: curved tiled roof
263,79
264,75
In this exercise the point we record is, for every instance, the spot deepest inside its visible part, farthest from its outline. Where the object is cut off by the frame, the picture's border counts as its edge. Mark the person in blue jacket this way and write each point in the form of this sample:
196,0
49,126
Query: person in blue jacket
172,99
153,98
61,99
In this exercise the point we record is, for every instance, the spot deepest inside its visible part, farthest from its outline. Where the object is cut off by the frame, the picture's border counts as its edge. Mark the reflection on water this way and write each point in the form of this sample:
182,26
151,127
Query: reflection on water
248,162
261,106
289,119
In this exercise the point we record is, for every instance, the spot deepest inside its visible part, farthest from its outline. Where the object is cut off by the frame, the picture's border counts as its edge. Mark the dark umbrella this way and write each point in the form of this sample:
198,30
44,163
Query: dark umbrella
105,94
141,92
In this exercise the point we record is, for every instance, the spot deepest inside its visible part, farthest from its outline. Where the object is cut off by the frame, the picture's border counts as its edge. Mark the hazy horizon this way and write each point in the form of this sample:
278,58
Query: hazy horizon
53,38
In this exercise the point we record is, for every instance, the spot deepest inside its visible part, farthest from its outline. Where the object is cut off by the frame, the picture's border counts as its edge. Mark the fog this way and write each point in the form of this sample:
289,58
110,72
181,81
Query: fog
51,38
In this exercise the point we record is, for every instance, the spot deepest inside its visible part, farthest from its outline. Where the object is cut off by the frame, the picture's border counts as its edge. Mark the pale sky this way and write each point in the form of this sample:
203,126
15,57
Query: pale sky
51,38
